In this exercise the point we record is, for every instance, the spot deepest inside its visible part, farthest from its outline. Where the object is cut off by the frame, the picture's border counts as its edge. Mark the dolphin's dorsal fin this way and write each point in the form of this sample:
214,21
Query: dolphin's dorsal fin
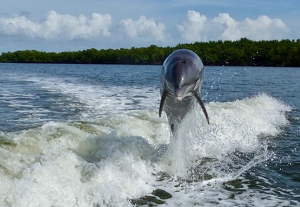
162,100
202,106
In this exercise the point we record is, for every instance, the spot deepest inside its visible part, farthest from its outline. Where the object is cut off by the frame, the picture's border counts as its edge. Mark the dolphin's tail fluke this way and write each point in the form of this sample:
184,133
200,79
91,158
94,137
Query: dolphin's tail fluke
162,100
202,106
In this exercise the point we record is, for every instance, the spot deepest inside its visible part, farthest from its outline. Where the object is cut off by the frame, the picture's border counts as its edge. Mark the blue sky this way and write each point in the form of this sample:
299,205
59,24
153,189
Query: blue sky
71,25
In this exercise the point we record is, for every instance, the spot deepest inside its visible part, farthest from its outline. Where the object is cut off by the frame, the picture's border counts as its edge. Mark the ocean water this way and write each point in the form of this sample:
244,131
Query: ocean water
90,136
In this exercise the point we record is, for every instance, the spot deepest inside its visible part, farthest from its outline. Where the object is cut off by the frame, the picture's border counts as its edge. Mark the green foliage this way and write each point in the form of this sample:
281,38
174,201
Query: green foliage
243,52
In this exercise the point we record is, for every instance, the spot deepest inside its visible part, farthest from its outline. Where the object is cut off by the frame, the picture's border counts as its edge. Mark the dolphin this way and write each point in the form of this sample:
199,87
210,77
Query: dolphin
180,84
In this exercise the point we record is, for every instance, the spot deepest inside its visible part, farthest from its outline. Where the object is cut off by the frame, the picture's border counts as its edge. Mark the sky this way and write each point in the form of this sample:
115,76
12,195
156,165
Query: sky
72,25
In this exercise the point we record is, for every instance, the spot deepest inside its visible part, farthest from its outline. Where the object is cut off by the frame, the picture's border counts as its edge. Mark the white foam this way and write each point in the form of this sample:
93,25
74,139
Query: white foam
120,157
234,126
49,171
99,100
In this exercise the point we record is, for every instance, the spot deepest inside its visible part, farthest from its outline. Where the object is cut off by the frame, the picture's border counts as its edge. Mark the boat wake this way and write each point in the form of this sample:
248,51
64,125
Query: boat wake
131,159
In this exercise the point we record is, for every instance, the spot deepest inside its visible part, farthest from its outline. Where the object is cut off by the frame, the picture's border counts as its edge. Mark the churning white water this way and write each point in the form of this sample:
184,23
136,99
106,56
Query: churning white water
123,156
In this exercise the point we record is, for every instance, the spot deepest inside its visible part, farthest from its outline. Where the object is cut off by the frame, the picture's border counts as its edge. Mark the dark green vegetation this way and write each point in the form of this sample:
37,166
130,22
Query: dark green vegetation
243,52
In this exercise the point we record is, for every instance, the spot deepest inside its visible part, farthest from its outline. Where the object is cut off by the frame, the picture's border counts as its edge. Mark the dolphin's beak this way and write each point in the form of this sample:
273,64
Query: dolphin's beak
179,98
181,92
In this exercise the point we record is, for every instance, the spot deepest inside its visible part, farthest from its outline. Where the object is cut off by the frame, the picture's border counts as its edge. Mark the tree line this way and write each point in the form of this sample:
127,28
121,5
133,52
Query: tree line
243,52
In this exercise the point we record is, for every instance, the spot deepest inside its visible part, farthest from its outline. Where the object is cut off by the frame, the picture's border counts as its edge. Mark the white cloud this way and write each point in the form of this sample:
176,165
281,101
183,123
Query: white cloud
143,28
227,27
67,27
264,28
196,27
18,25
193,27
98,30
58,26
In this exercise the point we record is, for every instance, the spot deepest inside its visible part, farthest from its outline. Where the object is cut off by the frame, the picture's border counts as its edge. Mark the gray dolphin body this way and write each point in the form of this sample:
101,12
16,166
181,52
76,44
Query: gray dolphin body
180,84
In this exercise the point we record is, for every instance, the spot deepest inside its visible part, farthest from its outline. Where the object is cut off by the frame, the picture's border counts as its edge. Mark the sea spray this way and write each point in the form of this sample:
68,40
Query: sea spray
235,127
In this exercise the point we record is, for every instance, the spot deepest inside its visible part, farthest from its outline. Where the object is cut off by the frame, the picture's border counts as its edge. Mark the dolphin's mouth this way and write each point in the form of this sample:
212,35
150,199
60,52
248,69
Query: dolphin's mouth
179,98
182,92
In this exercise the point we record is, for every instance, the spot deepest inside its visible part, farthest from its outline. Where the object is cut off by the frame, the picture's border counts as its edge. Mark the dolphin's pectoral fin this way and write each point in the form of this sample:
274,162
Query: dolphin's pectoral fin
162,100
202,106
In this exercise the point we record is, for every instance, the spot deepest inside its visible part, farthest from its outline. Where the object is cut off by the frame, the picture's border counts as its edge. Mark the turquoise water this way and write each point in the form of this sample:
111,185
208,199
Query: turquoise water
90,135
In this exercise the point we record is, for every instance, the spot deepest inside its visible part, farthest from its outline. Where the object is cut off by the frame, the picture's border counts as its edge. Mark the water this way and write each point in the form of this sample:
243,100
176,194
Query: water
90,135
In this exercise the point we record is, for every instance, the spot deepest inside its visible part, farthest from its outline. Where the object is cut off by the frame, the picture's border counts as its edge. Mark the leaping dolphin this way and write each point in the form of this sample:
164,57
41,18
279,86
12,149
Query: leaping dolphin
180,84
